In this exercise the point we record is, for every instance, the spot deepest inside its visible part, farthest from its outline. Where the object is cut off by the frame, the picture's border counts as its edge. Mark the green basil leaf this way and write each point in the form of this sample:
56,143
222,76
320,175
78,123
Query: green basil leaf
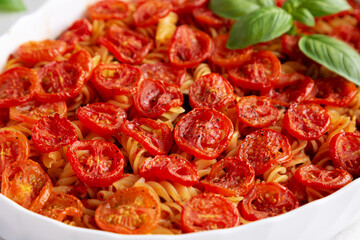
291,5
320,8
334,54
304,16
265,3
261,25
12,5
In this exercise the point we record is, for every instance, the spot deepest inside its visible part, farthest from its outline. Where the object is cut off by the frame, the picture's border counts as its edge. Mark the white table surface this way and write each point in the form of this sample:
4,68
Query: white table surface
7,19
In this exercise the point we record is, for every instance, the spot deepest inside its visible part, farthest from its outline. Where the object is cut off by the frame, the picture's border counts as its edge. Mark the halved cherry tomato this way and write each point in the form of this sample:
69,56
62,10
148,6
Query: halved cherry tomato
60,205
102,118
306,121
212,91
156,97
264,148
344,150
26,183
4,115
155,137
59,81
230,177
313,176
298,189
149,12
51,133
207,17
228,58
335,91
256,111
80,30
116,79
204,133
183,6
189,47
14,146
97,163
109,9
127,46
164,72
290,46
260,73
209,211
129,211
83,59
17,86
349,34
267,200
173,168
46,50
32,111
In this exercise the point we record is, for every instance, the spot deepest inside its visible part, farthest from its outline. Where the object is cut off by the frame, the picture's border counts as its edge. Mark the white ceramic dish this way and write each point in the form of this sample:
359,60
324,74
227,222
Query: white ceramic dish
319,220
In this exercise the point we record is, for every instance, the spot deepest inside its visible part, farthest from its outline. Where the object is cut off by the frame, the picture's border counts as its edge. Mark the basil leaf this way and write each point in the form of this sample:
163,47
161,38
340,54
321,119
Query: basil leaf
234,9
320,8
304,16
291,5
12,5
334,54
261,25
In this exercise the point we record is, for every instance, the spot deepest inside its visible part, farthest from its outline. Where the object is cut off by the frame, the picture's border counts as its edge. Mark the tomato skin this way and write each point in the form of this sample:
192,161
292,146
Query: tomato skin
212,91
51,133
256,111
313,176
264,148
230,177
348,34
228,58
344,152
165,72
20,175
189,47
127,46
84,60
149,12
209,211
158,142
306,121
142,207
207,17
80,30
267,200
156,97
17,86
46,50
260,73
102,118
100,166
204,133
184,6
109,9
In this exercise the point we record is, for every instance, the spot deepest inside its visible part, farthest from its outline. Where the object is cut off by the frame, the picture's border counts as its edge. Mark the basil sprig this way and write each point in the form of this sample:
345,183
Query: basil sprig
12,5
261,21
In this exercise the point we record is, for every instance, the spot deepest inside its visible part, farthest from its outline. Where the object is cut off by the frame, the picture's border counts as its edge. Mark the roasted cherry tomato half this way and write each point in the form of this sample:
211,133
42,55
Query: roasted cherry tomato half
256,111
264,148
290,46
306,121
155,137
83,59
183,6
344,150
349,34
156,97
207,17
61,205
129,211
109,9
17,86
164,72
149,12
298,189
189,47
267,200
80,30
335,91
4,115
32,111
173,168
26,183
318,178
116,79
260,73
230,177
209,211
97,163
59,81
212,91
51,133
47,50
127,46
228,58
204,133
102,118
